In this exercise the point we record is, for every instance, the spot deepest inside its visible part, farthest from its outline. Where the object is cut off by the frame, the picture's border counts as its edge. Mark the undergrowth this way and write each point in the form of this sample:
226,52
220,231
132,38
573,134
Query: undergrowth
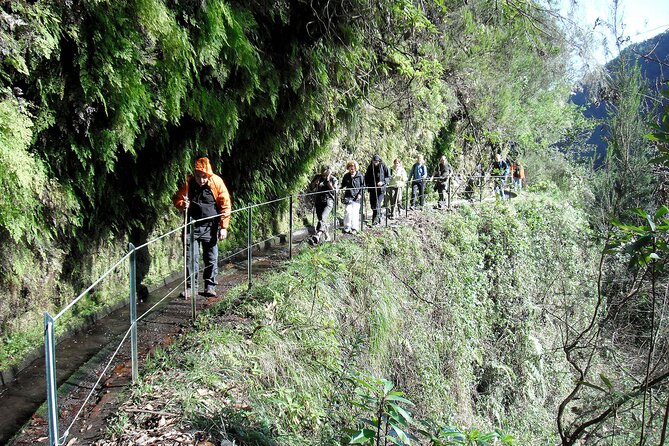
456,311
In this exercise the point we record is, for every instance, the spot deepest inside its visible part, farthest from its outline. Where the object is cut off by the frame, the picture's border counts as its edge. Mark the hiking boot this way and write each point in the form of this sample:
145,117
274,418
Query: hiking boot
209,291
185,295
325,236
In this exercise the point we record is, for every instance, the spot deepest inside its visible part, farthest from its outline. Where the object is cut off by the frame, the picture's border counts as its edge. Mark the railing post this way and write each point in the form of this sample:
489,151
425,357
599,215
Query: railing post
193,274
406,199
133,311
386,207
334,212
449,192
290,230
51,396
249,255
362,209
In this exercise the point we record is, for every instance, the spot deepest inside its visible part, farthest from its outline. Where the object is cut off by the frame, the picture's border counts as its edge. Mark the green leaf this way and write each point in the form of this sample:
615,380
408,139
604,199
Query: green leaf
640,212
606,381
393,396
396,431
651,222
387,386
661,212
362,436
406,416
373,423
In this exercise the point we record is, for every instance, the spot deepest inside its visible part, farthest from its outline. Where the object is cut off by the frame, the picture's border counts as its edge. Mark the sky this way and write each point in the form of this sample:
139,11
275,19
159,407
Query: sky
641,19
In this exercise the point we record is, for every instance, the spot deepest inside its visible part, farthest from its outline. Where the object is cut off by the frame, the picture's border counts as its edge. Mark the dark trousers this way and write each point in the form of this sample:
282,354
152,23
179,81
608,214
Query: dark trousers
393,199
442,193
376,197
206,235
418,188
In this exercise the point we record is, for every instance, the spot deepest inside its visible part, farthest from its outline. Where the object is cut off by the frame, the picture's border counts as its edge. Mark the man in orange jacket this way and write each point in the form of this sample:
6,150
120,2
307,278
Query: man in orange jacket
206,199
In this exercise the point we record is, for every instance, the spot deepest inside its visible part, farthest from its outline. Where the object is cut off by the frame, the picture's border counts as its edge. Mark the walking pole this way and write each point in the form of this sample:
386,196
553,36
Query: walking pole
193,275
334,230
249,255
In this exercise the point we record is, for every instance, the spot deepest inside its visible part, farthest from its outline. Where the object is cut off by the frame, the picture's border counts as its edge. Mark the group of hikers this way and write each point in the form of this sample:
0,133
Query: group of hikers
205,198
384,188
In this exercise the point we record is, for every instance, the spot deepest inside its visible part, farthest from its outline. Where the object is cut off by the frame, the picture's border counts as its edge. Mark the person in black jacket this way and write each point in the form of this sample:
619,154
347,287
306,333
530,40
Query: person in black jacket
441,178
352,185
376,179
324,186
500,170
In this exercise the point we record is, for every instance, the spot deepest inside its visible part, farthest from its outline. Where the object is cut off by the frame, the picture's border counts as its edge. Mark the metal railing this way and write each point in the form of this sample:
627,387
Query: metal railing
466,187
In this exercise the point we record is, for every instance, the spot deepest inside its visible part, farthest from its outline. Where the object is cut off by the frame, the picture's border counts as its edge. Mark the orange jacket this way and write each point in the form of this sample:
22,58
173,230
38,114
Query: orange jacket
217,187
518,171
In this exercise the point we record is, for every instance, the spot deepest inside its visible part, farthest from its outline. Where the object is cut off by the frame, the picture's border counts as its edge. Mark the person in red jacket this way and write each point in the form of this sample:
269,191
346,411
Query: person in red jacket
206,199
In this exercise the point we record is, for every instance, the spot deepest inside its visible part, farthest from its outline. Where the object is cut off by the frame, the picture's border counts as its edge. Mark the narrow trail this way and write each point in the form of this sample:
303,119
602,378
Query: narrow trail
82,358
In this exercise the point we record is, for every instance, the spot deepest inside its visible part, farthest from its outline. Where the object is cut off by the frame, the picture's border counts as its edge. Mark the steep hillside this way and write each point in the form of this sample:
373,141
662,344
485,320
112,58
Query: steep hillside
463,312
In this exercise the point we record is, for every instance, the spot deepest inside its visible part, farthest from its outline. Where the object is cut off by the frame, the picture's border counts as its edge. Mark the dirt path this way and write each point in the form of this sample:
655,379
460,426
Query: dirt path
159,328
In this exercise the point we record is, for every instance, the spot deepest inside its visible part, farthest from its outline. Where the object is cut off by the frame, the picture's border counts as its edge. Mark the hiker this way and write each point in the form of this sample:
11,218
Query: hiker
417,178
501,172
518,175
441,177
324,186
376,180
352,184
398,181
204,196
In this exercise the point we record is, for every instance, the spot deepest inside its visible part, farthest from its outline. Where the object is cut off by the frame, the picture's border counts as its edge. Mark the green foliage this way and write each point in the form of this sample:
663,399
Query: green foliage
389,419
107,104
457,314
644,244
447,435
626,180
22,177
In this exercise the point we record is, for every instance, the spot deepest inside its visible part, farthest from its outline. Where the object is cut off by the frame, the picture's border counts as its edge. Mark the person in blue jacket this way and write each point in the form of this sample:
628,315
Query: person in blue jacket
417,179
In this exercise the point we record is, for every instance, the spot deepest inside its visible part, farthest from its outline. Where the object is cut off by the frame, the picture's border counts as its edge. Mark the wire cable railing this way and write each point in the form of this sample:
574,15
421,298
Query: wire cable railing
332,198
93,389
